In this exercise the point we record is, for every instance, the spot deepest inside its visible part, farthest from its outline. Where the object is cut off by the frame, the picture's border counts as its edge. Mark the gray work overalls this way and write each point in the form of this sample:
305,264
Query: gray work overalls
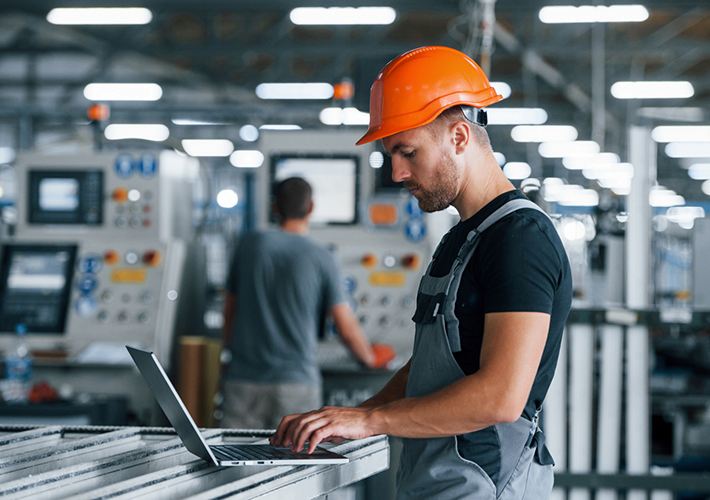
433,468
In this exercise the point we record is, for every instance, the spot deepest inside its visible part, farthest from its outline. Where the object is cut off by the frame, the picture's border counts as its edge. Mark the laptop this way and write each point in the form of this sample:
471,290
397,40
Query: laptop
225,454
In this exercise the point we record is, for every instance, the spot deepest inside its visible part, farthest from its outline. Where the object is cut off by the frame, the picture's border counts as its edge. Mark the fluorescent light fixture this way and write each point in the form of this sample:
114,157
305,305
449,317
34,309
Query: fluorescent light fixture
294,91
662,197
275,126
502,88
568,149
573,230
706,187
500,158
247,158
516,116
227,198
590,161
208,147
688,149
249,133
699,171
376,159
681,133
7,155
593,14
684,114
652,90
543,133
344,116
576,196
143,131
97,15
685,216
188,121
123,92
517,170
342,15
609,171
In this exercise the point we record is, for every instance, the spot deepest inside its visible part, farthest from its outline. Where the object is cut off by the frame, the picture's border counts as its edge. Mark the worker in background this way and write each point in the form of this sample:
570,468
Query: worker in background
279,283
491,306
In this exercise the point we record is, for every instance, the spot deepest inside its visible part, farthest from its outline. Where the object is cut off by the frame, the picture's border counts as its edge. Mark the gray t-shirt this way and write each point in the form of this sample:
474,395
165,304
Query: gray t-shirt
283,283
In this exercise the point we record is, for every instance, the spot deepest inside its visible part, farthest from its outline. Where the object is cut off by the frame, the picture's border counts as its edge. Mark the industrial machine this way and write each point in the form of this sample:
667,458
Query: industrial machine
96,261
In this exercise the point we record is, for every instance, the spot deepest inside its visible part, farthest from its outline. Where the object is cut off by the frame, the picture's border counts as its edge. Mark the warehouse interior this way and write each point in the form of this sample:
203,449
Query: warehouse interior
173,171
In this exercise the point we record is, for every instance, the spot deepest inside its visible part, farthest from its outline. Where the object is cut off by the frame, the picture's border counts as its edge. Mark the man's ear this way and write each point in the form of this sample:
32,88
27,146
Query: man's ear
310,210
461,136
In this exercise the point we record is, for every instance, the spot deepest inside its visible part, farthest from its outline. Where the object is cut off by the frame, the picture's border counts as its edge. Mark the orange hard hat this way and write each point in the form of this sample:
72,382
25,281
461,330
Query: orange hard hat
415,87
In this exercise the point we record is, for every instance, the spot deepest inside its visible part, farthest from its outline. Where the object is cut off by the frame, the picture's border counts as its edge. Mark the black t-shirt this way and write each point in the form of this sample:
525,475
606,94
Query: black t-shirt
519,265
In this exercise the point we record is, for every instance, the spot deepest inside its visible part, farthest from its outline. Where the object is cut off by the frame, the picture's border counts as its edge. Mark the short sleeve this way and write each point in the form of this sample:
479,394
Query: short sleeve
520,268
333,292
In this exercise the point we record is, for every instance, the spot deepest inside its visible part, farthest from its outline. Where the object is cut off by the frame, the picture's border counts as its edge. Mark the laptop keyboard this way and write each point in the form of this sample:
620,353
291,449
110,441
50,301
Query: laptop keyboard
249,452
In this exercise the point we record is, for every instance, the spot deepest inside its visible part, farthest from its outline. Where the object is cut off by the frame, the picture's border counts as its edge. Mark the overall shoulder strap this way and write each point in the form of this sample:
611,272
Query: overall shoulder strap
506,209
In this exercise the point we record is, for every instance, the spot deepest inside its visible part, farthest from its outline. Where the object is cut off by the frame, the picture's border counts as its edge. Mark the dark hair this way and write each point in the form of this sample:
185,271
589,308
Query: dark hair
293,198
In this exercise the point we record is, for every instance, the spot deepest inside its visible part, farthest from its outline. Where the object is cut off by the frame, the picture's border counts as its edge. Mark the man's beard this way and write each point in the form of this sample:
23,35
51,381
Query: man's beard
442,194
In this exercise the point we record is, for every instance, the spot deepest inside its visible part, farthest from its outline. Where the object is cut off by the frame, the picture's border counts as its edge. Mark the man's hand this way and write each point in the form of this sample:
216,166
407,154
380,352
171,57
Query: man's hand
324,425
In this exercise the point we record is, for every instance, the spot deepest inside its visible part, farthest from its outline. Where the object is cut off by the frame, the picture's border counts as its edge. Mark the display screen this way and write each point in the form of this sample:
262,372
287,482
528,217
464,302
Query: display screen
66,197
35,287
334,181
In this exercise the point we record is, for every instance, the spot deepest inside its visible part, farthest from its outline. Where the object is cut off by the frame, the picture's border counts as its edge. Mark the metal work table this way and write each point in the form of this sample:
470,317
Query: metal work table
151,462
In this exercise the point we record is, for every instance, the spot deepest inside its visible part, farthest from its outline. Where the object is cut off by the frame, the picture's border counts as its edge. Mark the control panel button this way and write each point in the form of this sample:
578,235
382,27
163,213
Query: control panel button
369,260
90,264
121,222
147,222
131,258
123,317
411,261
147,298
366,300
87,283
389,261
107,296
386,301
133,195
152,258
85,305
364,320
119,195
136,208
408,302
104,316
111,257
135,222
385,321
144,317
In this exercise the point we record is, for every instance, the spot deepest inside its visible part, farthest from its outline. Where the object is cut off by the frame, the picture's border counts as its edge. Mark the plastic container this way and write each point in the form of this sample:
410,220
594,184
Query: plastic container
19,369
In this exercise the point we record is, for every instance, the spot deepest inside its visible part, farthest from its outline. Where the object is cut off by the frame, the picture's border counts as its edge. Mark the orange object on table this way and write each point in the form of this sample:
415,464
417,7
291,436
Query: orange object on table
384,354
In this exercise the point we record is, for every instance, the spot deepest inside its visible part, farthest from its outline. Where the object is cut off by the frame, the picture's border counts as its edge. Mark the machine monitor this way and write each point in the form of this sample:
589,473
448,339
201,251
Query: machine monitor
66,197
35,286
334,180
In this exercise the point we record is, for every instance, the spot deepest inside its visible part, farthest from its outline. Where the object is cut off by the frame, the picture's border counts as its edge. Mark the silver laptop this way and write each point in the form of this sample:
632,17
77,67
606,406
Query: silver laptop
225,454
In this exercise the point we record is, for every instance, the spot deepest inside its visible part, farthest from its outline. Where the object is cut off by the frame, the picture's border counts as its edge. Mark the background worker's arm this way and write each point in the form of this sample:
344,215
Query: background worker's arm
512,347
228,312
350,334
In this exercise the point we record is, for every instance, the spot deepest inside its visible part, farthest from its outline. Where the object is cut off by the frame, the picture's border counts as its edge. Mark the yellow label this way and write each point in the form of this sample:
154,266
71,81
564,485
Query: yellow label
392,278
129,276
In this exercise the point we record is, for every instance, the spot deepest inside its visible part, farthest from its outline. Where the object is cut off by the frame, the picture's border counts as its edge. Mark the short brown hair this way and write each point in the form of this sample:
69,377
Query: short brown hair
293,198
453,115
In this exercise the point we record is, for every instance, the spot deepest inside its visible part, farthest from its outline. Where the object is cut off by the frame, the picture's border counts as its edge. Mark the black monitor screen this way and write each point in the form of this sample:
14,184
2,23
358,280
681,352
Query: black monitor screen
334,180
35,287
66,197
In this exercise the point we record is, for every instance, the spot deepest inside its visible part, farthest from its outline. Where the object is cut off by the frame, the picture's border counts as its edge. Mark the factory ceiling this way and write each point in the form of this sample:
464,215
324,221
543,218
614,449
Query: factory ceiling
209,56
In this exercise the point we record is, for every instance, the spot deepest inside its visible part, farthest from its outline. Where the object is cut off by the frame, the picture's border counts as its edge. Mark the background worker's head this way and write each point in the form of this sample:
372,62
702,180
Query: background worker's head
293,199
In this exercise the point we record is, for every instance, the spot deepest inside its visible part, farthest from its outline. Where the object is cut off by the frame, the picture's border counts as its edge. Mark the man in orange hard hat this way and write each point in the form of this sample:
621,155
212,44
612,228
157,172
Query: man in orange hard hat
491,306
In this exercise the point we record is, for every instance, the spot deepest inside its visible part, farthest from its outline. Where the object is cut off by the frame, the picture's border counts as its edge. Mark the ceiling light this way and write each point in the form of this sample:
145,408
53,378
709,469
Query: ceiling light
516,116
699,171
568,149
275,126
97,15
123,92
187,121
502,88
247,158
207,147
576,196
342,15
652,90
706,187
515,170
500,158
6,155
227,198
590,161
249,133
684,216
662,197
146,132
543,133
681,133
294,91
688,149
593,14
573,230
609,171
344,116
